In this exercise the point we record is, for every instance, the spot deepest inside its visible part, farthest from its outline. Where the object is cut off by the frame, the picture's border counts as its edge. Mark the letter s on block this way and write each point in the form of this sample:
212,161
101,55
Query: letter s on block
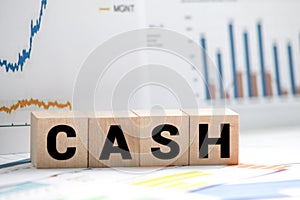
51,142
157,137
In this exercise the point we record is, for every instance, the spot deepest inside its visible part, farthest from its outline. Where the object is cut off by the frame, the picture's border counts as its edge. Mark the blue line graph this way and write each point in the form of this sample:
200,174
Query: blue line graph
24,55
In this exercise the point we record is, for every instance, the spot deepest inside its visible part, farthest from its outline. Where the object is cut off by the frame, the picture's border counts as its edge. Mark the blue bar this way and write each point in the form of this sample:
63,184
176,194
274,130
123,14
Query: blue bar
203,45
262,63
276,63
233,60
249,82
219,61
291,65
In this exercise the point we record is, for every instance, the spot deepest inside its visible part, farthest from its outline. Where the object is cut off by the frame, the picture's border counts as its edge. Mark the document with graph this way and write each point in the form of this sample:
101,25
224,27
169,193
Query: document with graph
250,54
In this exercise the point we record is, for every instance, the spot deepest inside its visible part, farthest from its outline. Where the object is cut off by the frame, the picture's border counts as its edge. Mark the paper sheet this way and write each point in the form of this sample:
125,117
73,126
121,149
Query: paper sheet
258,176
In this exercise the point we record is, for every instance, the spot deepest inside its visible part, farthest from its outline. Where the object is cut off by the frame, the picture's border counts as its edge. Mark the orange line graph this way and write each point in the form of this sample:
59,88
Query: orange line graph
34,102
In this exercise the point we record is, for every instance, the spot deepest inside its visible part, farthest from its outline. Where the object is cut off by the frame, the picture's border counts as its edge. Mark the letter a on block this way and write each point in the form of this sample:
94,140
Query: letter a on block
214,136
115,133
114,139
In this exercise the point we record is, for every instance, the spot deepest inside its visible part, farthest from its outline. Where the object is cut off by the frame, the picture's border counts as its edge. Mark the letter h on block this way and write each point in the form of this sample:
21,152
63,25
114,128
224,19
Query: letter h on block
223,141
214,136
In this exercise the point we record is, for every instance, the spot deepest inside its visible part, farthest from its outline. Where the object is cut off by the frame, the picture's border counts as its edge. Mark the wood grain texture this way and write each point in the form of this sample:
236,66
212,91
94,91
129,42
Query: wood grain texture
136,138
42,123
151,119
99,126
214,118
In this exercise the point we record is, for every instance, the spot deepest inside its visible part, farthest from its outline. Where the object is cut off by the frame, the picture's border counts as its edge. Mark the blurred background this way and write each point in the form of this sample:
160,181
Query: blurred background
250,57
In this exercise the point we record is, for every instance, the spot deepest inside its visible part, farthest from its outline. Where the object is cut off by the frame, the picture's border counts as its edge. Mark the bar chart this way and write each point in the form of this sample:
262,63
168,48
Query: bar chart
250,55
247,83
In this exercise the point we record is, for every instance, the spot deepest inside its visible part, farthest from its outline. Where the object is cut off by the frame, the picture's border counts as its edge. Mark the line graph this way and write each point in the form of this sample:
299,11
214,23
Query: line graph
34,102
24,55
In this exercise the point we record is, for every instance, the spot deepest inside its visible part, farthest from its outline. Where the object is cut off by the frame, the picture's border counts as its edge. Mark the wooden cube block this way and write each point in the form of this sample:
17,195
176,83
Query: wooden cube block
164,137
114,139
214,136
58,140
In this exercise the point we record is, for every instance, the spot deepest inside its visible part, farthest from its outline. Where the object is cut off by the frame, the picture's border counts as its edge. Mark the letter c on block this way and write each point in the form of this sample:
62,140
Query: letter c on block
51,142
